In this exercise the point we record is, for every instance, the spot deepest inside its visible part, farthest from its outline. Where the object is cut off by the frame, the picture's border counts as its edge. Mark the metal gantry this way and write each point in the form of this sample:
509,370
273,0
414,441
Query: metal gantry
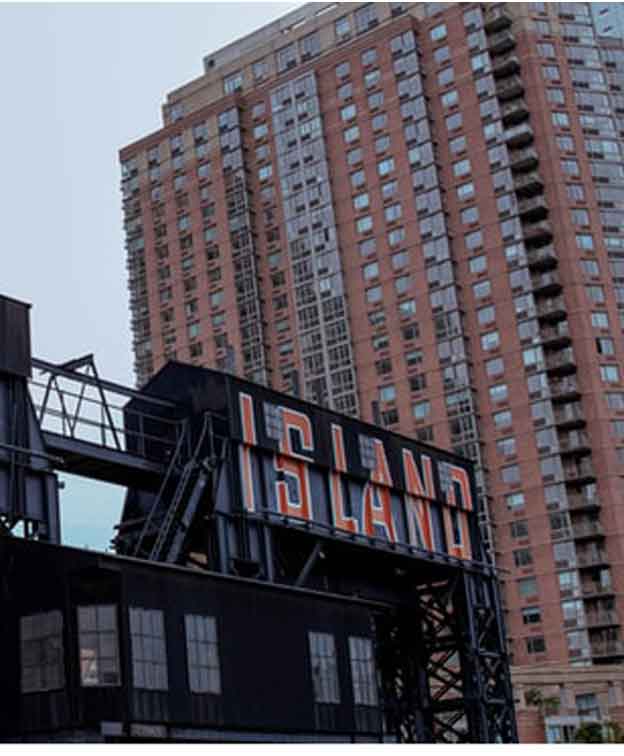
438,626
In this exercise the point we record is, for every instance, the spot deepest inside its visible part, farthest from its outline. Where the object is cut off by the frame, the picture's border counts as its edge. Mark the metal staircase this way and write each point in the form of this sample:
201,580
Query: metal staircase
165,530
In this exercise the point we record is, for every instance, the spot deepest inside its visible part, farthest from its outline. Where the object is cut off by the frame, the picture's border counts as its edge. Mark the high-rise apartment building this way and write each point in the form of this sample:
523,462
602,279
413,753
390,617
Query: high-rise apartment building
414,213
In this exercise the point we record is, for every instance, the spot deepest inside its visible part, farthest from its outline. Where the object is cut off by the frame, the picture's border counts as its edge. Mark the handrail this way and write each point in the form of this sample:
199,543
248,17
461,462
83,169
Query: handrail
99,383
172,465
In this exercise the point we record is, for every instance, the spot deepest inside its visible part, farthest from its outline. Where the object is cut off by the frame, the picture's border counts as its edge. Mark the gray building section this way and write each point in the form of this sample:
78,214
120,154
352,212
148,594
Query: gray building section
609,19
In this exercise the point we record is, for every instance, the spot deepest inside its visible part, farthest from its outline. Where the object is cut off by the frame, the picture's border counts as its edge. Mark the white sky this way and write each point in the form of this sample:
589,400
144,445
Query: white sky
79,81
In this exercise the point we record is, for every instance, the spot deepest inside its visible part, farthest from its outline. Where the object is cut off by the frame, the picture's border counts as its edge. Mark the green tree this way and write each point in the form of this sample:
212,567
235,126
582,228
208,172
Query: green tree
599,732
547,705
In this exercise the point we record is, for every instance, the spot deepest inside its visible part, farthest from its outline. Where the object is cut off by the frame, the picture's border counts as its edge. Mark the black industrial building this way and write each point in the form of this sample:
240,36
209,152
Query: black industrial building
282,573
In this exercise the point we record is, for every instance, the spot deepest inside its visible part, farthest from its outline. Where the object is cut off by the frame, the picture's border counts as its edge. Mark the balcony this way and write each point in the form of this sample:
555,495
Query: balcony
533,208
589,529
580,503
552,310
538,233
501,42
578,473
602,619
568,416
591,559
562,362
506,89
574,442
519,136
505,65
496,18
542,258
523,160
555,336
607,648
564,389
545,284
528,184
514,111
596,590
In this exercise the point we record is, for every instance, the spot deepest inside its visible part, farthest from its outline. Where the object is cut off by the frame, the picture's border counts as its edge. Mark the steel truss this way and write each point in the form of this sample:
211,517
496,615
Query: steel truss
444,666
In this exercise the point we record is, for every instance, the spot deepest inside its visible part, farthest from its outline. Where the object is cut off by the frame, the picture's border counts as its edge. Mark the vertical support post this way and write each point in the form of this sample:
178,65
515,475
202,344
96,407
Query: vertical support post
405,694
485,664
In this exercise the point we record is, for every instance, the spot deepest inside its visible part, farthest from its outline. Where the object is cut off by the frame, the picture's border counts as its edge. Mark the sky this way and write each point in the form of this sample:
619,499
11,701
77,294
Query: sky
80,81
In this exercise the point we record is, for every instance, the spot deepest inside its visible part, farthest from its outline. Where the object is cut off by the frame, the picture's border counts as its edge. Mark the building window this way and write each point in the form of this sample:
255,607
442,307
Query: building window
345,91
523,557
609,373
348,112
536,645
438,33
515,502
399,260
41,643
342,27
310,45
421,410
587,706
370,271
324,668
358,179
527,587
470,215
585,241
385,167
372,78
499,392
596,294
478,264
202,651
393,212
502,419
407,308
446,76
367,247
465,191
286,57
495,367
364,225
99,645
369,57
374,295
510,474
396,236
532,615
387,394
233,83
457,145
363,675
462,168
506,447
365,17
343,70
551,73
149,656
490,341
560,119
361,202
354,156
260,69
486,315
555,96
